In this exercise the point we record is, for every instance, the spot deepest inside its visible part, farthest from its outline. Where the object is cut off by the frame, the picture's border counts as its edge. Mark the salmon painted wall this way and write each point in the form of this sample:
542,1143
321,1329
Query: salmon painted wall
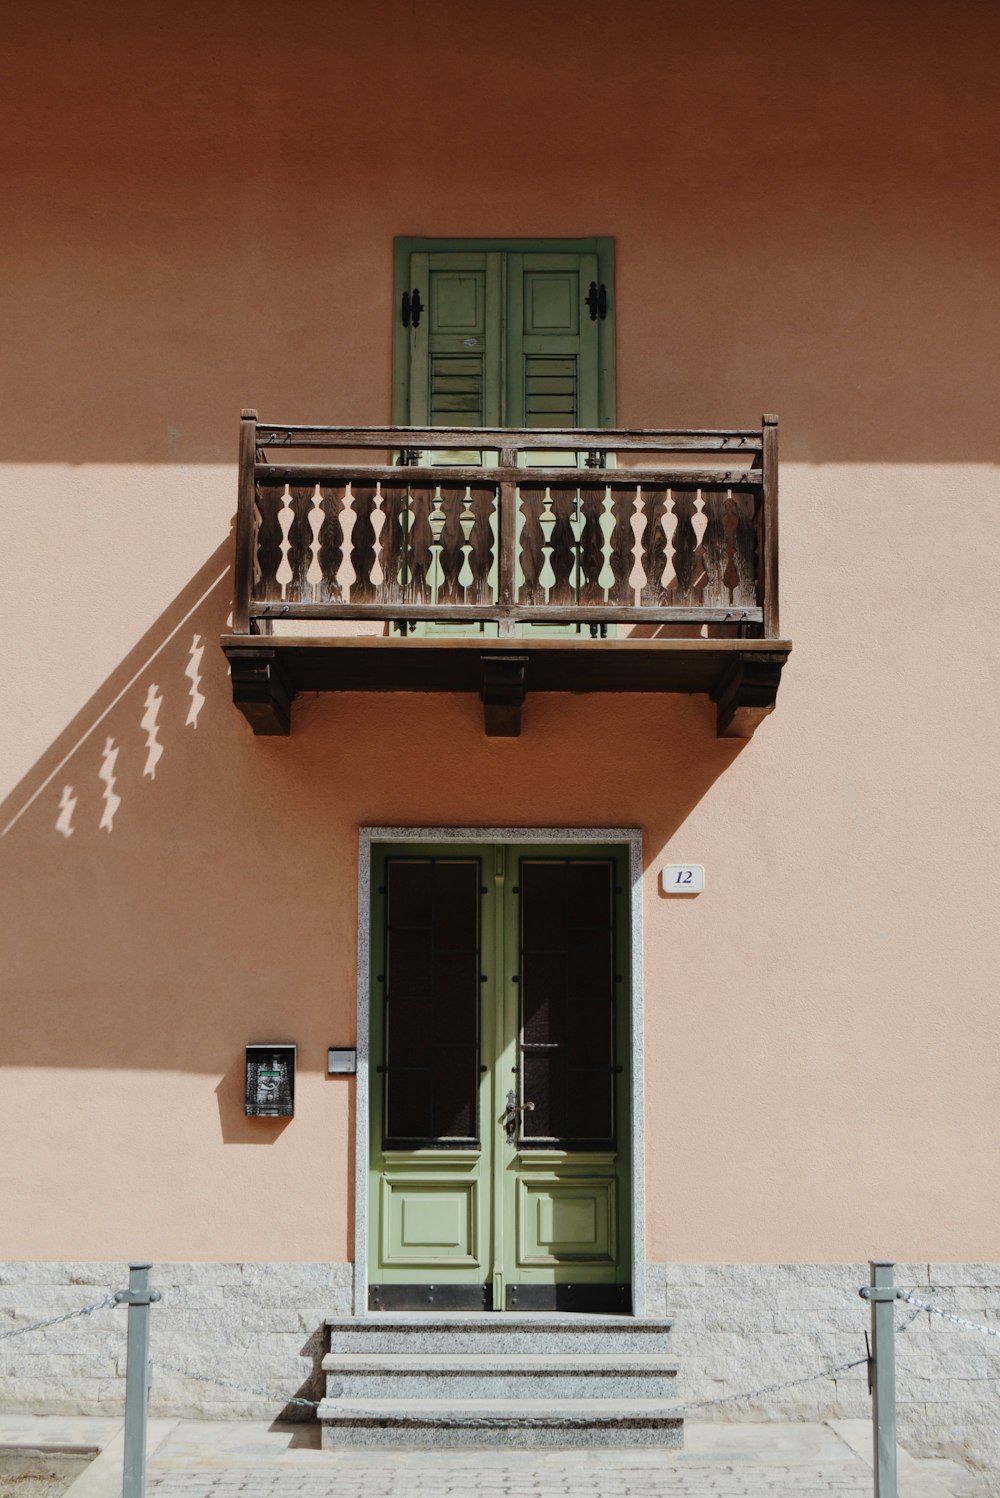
200,210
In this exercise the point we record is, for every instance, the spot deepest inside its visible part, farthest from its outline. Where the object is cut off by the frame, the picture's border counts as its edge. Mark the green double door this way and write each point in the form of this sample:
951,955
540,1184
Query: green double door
499,1091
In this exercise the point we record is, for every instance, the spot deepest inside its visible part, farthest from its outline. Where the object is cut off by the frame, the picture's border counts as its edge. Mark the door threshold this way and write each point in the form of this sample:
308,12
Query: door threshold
570,1300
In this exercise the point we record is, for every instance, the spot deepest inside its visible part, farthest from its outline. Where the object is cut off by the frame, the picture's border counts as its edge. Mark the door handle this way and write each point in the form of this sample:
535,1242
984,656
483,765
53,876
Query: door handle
510,1115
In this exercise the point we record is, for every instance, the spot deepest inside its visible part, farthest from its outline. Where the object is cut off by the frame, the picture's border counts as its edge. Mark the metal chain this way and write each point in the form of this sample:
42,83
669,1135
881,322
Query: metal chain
792,1383
924,1305
228,1383
99,1305
700,1404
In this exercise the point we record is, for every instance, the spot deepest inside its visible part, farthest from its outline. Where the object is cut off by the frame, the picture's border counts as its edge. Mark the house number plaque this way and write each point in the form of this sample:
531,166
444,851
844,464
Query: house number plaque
682,878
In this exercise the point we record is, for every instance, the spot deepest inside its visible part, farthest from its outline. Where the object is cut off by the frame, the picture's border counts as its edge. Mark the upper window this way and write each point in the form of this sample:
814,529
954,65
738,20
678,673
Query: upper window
515,333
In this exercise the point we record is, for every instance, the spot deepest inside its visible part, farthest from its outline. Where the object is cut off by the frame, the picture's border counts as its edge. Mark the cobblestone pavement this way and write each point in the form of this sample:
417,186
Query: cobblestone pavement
251,1459
776,1461
766,1460
353,1478
774,1482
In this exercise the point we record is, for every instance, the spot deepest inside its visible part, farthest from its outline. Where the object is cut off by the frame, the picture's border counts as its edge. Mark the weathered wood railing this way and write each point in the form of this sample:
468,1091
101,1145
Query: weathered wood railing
507,541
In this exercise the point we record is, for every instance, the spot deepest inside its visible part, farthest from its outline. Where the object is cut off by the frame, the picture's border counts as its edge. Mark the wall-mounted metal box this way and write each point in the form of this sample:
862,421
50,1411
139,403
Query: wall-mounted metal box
270,1081
341,1063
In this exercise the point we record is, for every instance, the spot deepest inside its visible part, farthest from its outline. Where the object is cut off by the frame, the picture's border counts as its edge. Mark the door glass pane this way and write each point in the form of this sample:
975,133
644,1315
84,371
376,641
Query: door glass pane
567,989
432,991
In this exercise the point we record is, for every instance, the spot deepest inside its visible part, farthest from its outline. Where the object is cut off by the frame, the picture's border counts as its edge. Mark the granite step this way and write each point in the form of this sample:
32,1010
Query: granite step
500,1332
524,1423
422,1376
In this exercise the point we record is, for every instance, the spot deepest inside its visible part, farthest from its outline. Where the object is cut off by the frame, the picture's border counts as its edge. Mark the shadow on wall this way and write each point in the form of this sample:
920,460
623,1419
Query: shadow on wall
178,888
808,226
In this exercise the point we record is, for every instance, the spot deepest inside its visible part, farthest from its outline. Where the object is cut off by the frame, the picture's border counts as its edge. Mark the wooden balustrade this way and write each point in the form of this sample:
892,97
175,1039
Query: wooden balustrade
675,533
508,541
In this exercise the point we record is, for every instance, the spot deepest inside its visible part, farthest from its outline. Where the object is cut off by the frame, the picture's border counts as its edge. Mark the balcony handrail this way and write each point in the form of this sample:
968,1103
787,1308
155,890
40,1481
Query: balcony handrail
408,483
564,477
520,439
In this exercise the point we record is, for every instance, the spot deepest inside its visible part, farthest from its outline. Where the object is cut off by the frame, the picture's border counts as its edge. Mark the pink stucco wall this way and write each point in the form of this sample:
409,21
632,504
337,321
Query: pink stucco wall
206,200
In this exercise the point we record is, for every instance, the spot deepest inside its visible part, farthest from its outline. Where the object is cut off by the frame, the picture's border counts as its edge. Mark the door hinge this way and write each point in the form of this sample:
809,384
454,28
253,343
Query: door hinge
411,308
597,301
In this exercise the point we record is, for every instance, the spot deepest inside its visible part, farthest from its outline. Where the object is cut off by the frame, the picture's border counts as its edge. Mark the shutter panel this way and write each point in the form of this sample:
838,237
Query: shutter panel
552,344
455,353
552,364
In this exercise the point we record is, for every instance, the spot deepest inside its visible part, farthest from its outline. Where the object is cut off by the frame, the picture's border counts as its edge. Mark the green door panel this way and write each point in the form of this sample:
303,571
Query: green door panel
565,1218
518,952
429,1212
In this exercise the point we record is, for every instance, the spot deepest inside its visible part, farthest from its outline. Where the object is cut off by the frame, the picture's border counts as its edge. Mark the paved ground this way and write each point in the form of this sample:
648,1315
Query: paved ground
223,1459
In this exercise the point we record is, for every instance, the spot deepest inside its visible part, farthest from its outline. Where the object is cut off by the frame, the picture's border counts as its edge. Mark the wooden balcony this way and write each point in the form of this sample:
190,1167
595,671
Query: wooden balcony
551,561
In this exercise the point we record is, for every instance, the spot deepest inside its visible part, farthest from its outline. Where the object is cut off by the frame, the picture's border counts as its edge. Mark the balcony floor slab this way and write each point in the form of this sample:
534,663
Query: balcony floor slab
741,676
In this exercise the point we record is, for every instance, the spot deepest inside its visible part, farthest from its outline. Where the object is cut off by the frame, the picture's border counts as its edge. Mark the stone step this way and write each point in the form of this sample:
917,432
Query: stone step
494,1423
422,1376
501,1332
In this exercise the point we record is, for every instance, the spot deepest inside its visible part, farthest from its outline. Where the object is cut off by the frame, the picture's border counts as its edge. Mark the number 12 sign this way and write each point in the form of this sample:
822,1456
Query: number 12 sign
682,878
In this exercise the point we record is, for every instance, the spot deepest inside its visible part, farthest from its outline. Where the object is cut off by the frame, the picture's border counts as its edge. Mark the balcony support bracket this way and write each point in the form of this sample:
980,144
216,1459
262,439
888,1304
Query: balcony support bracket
746,694
503,678
261,689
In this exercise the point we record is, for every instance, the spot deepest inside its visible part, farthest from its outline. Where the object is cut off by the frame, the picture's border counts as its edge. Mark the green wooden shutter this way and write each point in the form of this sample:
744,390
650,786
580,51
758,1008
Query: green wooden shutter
552,342
552,363
455,355
505,339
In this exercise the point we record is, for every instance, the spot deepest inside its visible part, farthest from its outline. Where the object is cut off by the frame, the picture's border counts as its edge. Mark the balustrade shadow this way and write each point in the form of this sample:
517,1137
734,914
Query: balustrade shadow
177,888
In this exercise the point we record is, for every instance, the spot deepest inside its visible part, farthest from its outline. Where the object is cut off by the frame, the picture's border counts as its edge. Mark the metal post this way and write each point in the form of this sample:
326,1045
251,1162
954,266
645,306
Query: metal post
138,1298
882,1295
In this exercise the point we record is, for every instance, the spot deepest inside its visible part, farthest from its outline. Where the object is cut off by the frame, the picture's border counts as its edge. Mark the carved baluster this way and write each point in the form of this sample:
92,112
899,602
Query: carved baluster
452,541
746,592
331,545
730,578
713,548
563,554
421,556
363,543
592,546
623,503
394,502
481,543
300,542
681,590
654,546
270,502
532,555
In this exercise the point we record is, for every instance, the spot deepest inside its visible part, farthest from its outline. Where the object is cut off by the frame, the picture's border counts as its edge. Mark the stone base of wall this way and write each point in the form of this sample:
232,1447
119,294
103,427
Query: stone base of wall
741,1328
258,1328
237,1341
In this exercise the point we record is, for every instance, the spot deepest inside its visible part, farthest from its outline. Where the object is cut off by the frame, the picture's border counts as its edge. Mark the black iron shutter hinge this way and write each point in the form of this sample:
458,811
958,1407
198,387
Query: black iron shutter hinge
411,308
597,301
